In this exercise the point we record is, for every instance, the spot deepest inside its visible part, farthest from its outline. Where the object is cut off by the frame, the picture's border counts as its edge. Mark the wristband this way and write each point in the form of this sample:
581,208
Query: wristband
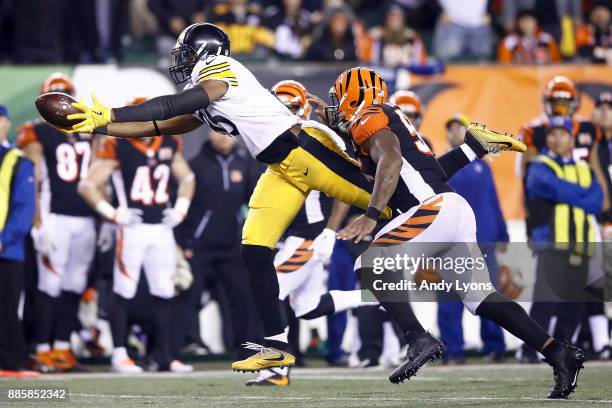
156,128
182,205
101,130
373,213
106,210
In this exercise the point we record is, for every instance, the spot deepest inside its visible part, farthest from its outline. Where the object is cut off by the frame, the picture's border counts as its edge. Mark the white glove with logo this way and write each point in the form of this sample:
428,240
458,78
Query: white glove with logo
183,278
42,240
172,217
106,236
128,216
323,245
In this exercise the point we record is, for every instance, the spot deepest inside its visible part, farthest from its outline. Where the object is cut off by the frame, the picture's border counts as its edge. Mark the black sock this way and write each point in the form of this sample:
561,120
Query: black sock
118,320
68,308
163,319
264,284
324,308
512,317
397,304
45,310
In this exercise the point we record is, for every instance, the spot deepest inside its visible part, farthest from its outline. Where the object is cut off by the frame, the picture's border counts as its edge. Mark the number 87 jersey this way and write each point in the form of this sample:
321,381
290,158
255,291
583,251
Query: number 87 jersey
142,179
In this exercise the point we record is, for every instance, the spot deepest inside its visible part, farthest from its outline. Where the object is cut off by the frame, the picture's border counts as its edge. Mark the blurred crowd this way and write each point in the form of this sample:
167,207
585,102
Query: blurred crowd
389,33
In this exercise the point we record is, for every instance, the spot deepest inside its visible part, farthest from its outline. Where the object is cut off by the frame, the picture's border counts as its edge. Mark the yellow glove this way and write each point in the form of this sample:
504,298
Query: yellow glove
93,117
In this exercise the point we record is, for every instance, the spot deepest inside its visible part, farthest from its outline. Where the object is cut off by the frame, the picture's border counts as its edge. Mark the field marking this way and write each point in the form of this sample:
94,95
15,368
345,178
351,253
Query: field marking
393,399
429,374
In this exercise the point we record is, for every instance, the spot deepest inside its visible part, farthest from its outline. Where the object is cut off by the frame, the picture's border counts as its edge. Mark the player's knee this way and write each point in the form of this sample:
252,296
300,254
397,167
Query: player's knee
51,287
255,255
492,297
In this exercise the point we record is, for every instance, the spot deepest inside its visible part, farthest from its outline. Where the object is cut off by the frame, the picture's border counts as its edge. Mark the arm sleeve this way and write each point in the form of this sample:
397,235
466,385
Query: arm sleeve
22,205
164,107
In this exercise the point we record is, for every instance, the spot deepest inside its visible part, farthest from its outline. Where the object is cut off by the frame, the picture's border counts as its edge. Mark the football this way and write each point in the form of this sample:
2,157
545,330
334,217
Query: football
55,107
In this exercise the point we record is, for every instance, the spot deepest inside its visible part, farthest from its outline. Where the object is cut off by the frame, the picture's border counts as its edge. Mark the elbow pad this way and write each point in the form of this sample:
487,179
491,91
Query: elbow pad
164,107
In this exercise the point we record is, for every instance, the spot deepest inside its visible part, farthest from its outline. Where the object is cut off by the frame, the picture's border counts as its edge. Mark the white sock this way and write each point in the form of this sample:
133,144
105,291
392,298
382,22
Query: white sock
43,348
280,337
61,345
599,332
119,354
348,299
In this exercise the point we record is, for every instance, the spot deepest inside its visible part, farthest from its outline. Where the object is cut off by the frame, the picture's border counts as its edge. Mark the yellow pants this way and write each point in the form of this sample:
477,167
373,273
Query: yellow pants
282,189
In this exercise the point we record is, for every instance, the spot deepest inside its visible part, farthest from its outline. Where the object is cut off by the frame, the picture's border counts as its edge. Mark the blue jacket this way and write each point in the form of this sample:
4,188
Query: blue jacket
543,183
21,210
475,183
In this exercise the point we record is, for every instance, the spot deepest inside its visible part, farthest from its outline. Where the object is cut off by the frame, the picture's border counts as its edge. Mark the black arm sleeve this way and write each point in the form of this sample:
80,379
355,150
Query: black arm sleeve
456,159
164,107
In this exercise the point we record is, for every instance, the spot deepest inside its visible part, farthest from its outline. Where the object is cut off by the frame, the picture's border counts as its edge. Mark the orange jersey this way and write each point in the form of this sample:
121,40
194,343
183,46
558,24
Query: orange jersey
421,176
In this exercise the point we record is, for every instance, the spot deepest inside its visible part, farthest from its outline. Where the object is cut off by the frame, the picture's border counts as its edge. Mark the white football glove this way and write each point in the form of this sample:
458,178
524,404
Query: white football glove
128,216
106,236
172,217
183,278
323,245
42,240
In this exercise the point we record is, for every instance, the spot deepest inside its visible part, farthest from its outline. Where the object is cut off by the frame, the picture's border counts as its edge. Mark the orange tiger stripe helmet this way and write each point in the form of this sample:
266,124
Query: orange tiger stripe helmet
57,82
561,97
293,95
410,104
354,90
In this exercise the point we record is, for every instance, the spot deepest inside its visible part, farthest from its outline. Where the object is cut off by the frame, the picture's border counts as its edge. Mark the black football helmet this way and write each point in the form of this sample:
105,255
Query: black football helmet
196,42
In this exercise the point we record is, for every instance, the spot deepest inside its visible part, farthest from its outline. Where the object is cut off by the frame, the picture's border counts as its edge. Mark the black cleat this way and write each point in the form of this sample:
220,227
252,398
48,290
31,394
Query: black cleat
421,351
566,361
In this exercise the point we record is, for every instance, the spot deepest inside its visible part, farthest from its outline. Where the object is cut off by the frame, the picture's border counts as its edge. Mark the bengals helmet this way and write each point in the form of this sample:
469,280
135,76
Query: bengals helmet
293,95
560,97
354,90
137,100
410,104
57,82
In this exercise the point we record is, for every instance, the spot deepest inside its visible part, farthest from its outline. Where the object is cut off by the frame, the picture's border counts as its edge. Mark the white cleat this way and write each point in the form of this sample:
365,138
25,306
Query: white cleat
126,366
178,367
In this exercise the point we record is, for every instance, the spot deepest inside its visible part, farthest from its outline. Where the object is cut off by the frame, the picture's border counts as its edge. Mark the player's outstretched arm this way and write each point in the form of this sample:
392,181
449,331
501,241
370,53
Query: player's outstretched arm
385,150
94,118
175,126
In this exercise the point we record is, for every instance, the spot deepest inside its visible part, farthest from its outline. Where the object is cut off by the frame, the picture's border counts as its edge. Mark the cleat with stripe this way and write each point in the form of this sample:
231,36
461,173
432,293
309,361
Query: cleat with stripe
266,357
276,377
494,142
567,361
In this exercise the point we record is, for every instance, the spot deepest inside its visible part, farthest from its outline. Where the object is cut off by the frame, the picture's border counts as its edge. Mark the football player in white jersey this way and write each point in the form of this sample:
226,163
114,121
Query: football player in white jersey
226,95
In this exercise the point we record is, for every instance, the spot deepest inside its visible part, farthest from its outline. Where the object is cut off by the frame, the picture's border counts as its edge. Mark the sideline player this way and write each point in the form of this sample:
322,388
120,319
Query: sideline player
63,232
434,221
141,171
226,95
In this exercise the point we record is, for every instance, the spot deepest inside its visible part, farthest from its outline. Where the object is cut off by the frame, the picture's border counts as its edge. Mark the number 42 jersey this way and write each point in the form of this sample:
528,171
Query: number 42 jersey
144,174
247,111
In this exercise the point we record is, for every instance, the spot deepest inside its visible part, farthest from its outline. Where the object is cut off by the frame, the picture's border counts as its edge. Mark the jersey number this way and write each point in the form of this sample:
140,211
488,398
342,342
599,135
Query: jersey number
419,143
73,160
216,123
142,187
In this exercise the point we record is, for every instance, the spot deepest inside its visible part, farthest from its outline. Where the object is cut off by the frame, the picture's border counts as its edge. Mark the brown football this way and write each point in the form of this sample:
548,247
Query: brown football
54,107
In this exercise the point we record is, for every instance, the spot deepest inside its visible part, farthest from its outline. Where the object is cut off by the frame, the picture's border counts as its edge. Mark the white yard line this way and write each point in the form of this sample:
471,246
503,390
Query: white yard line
428,374
320,398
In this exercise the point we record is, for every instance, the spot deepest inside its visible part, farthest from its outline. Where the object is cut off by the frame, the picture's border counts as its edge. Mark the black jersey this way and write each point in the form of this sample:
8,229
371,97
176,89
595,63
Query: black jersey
421,175
585,133
144,177
66,162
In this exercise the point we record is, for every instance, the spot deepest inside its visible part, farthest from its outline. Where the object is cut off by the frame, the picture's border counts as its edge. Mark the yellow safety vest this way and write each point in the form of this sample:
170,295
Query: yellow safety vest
568,236
7,167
